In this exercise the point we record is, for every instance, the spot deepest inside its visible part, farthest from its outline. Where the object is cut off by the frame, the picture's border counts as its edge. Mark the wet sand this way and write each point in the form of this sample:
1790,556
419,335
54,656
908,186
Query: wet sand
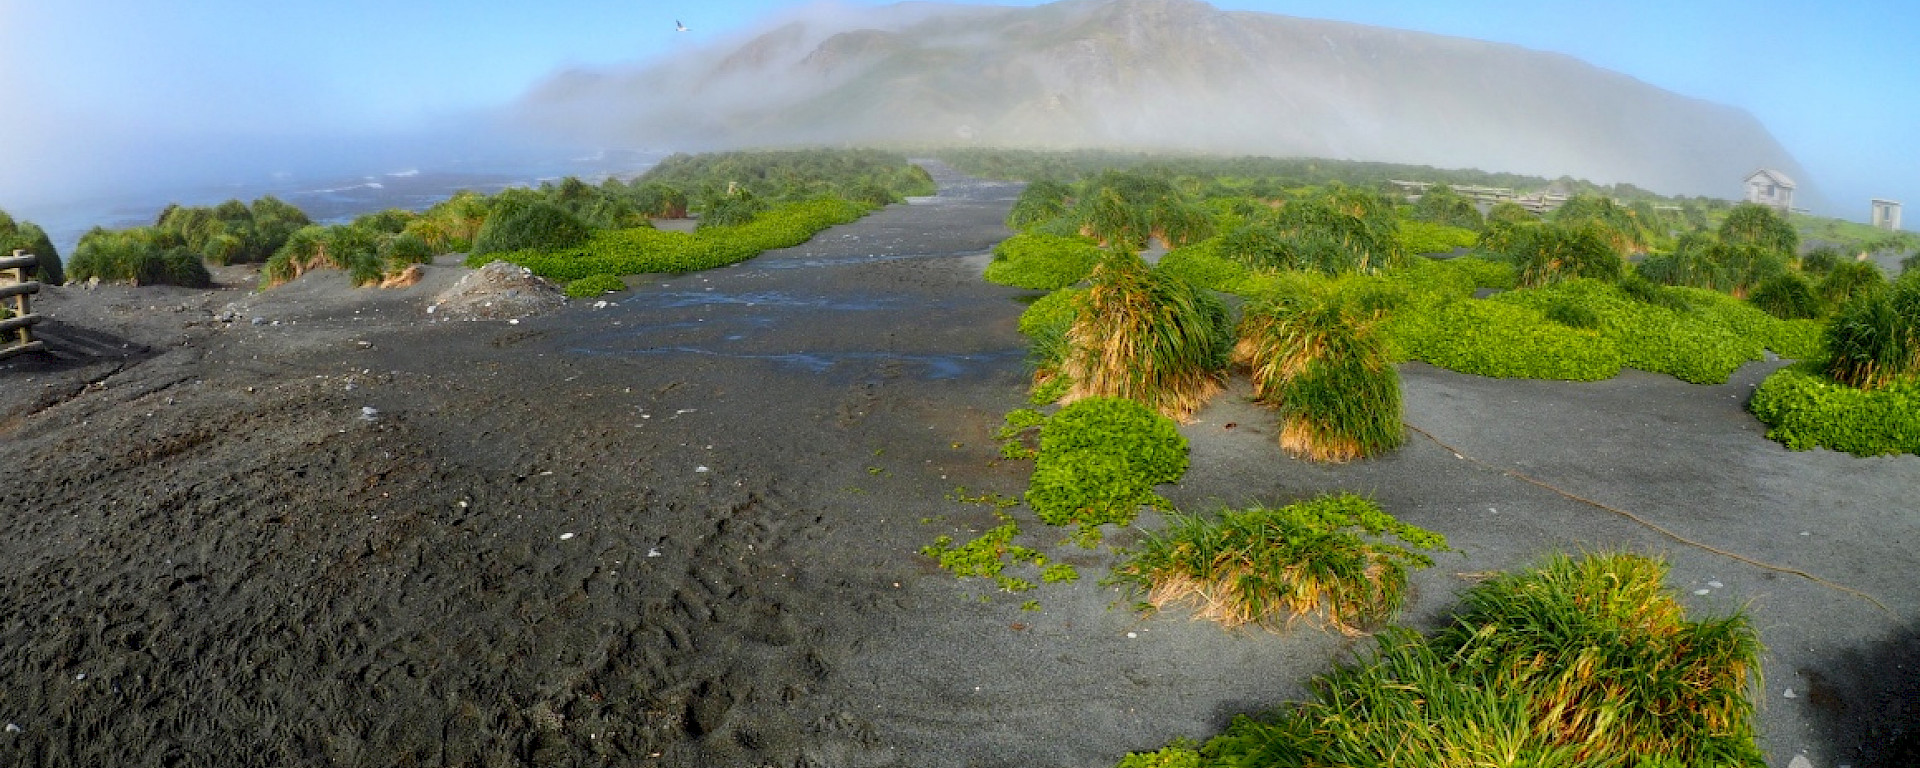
682,529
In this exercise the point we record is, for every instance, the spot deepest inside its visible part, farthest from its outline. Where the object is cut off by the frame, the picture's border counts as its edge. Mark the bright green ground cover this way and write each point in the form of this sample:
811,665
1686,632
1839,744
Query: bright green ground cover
645,250
1042,262
1420,237
1804,409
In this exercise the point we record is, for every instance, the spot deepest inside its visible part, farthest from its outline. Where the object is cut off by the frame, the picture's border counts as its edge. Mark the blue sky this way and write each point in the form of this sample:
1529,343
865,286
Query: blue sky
1839,85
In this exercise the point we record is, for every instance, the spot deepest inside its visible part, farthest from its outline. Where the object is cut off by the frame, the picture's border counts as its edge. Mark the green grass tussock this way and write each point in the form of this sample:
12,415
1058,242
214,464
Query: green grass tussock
1320,359
1147,336
1328,559
1042,262
1587,663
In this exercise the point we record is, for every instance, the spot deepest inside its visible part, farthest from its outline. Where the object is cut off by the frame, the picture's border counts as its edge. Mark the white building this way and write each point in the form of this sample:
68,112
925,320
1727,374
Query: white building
1886,214
1770,188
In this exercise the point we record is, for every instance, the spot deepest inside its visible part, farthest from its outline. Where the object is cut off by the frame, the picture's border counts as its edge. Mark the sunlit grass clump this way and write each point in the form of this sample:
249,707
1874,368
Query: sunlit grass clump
1587,663
1148,337
1320,359
1327,559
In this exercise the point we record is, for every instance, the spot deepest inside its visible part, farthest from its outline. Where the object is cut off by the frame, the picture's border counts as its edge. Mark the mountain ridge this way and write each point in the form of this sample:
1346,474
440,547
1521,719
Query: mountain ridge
1178,75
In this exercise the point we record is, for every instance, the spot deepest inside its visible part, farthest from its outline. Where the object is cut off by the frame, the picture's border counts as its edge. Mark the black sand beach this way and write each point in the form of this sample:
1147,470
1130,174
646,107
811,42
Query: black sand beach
319,526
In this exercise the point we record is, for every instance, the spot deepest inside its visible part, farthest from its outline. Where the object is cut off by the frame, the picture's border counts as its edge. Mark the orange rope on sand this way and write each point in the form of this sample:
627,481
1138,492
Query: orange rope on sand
1656,527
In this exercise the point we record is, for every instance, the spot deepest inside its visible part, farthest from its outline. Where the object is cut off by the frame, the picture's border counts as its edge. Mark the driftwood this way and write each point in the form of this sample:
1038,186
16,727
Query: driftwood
16,328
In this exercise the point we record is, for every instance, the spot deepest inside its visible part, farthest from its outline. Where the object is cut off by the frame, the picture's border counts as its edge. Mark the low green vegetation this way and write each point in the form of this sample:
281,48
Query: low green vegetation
1583,663
646,250
1328,559
1864,397
595,285
1420,237
1098,462
1803,408
1041,262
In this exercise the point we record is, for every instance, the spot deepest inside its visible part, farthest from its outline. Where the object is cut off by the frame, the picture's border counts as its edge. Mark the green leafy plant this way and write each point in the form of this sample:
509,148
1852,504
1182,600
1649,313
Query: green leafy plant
1327,558
1042,262
595,285
1098,461
1420,237
1804,409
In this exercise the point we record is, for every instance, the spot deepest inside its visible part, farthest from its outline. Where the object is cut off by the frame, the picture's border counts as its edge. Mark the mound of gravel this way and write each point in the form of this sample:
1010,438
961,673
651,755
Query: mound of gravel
498,291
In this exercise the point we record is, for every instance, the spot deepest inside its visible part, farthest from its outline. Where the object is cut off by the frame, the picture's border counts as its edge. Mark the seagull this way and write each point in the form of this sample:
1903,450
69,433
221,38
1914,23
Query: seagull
679,27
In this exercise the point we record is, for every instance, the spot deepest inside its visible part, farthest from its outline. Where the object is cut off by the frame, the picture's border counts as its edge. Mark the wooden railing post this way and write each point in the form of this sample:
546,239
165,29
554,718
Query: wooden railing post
16,331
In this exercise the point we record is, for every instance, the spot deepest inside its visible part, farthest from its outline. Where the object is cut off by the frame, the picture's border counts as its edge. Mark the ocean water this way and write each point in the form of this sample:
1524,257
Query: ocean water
332,198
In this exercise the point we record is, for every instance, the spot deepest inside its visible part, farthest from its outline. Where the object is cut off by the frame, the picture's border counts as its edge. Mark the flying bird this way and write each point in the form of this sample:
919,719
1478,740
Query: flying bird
679,27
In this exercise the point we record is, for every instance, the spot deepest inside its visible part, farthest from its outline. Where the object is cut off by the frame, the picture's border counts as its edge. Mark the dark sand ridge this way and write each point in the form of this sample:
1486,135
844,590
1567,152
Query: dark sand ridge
212,557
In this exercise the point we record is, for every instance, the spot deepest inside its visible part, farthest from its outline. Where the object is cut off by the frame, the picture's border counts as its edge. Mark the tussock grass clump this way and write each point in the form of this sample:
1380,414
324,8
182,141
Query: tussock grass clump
1320,359
1326,558
1146,336
1587,663
1874,340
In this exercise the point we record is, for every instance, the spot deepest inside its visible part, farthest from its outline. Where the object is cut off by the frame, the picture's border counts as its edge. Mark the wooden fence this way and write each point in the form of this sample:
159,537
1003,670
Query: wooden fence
16,330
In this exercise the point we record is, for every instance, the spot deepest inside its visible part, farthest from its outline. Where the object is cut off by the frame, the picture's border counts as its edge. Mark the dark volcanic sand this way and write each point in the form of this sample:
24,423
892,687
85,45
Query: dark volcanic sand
682,530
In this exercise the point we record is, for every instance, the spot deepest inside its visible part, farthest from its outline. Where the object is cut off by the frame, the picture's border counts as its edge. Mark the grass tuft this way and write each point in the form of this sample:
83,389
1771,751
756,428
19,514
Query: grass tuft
1587,663
1320,359
1325,558
1148,337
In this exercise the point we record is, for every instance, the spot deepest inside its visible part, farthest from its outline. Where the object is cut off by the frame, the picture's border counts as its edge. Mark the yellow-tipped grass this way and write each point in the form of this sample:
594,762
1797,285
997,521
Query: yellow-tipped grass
1147,337
1322,362
1587,663
1326,559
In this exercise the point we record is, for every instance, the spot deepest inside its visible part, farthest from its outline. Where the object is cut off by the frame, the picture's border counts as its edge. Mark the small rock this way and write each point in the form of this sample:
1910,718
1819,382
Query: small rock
1703,591
1800,761
1131,635
565,536
1715,584
369,413
14,728
1789,694
653,551
81,676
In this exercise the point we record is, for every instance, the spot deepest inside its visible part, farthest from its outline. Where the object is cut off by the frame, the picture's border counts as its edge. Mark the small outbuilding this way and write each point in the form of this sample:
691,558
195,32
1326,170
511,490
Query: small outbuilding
1770,188
1886,214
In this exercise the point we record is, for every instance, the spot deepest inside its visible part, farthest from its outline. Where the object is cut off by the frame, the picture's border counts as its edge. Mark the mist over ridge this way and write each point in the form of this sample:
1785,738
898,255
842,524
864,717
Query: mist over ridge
1175,75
